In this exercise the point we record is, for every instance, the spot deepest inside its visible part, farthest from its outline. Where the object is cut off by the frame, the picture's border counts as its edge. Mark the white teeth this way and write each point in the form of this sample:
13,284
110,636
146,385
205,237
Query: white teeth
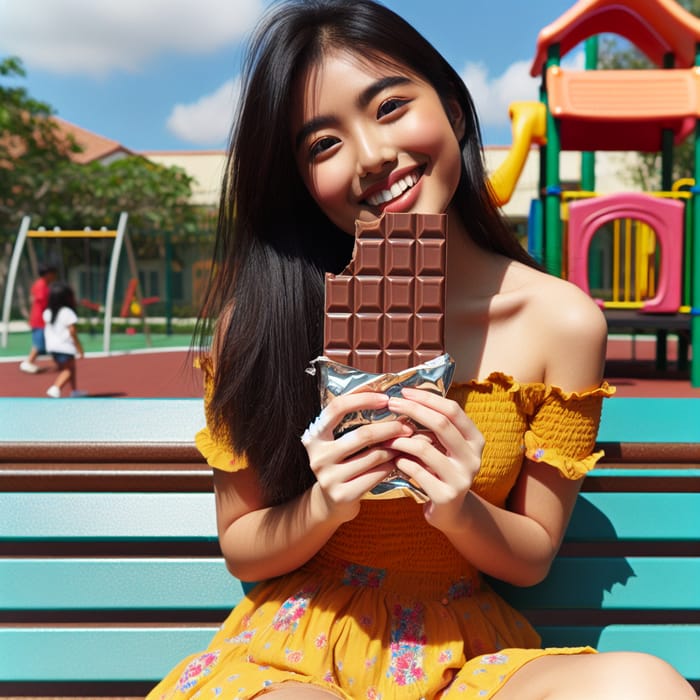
397,189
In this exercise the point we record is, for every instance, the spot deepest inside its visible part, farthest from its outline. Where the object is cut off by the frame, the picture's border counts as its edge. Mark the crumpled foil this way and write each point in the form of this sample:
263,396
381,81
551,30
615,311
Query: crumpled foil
335,379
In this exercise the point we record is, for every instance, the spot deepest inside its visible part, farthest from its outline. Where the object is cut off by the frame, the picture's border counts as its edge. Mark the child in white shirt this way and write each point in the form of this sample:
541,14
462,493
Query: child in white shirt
61,338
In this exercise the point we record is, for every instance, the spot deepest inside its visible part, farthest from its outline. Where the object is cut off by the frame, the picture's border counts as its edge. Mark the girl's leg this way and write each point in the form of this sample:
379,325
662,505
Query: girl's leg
64,374
73,379
605,676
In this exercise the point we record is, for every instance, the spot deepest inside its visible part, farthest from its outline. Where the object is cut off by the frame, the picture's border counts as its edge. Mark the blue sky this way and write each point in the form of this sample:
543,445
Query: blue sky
159,75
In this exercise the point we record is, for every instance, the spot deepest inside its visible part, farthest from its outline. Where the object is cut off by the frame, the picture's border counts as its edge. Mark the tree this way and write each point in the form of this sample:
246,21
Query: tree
30,146
38,177
617,54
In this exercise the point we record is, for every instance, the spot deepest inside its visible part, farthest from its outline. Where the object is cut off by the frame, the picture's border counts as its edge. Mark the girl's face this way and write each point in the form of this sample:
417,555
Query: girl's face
374,137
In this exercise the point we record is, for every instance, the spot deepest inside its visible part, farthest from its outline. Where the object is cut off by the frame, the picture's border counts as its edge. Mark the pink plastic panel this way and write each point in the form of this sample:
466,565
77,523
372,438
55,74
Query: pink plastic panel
663,215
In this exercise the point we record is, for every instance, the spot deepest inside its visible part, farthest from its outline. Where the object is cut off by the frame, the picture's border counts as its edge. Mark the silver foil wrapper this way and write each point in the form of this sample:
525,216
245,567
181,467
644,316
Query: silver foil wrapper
335,379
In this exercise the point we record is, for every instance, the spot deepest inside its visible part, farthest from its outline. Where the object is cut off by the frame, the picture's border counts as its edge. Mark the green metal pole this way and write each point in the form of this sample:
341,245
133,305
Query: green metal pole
595,272
667,143
536,233
168,284
588,157
552,215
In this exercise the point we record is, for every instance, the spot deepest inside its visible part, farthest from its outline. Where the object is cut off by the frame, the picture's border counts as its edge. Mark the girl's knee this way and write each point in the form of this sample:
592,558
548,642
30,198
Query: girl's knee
644,676
605,676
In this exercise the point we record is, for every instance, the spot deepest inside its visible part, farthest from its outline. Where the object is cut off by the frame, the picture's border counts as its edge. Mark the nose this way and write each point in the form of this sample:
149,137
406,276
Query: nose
374,150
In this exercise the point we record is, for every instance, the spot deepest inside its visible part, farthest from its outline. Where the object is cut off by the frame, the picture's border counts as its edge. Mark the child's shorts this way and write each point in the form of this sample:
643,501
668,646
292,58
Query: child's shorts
62,357
38,340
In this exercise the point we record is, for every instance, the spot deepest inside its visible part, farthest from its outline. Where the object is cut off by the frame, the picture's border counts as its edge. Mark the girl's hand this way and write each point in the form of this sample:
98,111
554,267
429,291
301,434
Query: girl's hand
347,467
444,461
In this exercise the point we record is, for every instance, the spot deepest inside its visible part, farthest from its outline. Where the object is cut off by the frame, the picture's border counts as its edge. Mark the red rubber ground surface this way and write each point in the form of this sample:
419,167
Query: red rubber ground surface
170,374
159,375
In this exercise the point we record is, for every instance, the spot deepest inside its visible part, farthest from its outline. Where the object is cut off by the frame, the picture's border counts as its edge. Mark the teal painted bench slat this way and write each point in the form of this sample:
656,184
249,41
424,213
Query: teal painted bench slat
165,516
605,583
110,571
126,654
131,516
677,644
636,516
98,583
99,655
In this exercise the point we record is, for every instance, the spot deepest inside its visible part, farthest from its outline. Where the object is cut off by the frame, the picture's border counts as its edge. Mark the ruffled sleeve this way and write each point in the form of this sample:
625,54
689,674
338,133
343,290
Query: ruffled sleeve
563,430
213,443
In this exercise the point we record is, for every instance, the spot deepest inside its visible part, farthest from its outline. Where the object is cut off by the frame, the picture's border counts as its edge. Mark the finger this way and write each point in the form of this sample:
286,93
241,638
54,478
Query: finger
355,489
424,453
447,407
372,434
356,467
447,422
429,483
438,488
432,465
351,446
340,406
324,425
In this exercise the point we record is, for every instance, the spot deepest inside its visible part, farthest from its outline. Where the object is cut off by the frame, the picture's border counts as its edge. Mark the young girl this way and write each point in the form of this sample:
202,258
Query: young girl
62,339
349,113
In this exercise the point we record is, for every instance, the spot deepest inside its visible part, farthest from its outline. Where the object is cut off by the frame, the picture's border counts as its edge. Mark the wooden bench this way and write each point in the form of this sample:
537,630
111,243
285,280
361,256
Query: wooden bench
110,571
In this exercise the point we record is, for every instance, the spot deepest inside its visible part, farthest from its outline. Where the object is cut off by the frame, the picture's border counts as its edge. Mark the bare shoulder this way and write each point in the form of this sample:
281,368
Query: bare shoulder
568,307
571,330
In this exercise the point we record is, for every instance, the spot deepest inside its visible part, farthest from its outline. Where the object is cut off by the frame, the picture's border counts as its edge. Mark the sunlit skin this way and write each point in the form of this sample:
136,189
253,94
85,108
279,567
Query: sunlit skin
363,128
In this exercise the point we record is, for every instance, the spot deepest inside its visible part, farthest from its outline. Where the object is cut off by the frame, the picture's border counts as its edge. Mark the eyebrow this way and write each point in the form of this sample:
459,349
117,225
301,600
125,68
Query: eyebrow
363,99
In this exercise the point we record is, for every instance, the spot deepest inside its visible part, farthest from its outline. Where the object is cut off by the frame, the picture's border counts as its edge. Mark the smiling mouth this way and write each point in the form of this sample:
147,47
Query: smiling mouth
396,190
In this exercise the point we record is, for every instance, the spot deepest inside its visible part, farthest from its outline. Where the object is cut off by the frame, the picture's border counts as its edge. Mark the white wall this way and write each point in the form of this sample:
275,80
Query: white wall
207,168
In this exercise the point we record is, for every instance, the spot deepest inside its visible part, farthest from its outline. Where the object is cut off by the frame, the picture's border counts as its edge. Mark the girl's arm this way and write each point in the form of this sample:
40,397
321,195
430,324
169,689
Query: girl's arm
76,340
516,544
260,542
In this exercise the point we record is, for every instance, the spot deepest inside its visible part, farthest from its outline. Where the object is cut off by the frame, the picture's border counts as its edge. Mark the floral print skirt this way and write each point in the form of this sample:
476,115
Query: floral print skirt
362,632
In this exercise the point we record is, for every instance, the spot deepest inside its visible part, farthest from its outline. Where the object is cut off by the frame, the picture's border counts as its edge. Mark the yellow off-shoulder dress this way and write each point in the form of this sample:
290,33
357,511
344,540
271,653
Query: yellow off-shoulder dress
388,608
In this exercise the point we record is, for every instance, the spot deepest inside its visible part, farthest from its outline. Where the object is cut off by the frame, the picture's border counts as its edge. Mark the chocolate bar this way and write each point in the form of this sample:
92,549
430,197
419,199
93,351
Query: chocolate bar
386,311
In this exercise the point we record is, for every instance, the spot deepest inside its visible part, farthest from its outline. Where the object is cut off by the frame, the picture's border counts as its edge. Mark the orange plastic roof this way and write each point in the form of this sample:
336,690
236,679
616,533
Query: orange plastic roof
623,109
624,95
656,27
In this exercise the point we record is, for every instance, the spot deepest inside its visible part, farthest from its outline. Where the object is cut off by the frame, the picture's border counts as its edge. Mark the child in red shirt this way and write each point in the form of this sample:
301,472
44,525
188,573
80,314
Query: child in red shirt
39,294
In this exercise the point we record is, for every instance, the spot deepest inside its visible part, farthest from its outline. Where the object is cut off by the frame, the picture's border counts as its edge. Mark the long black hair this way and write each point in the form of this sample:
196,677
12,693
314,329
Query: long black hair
60,295
274,245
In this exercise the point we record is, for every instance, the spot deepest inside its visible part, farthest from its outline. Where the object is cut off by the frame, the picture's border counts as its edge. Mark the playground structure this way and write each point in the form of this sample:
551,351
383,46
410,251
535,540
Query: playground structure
637,254
134,304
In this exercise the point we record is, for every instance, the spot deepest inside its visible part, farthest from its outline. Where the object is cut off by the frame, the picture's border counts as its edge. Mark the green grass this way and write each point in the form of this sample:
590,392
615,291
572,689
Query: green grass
19,343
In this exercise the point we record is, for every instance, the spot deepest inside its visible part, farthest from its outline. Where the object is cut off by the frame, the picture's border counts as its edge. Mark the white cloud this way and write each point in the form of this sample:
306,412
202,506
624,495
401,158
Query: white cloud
493,95
79,37
207,121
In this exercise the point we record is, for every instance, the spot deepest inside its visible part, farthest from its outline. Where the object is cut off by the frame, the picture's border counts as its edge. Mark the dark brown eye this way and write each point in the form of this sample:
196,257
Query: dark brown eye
389,106
323,144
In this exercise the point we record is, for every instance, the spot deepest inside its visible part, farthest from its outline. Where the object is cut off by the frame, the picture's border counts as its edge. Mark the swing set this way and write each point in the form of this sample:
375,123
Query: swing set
134,303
